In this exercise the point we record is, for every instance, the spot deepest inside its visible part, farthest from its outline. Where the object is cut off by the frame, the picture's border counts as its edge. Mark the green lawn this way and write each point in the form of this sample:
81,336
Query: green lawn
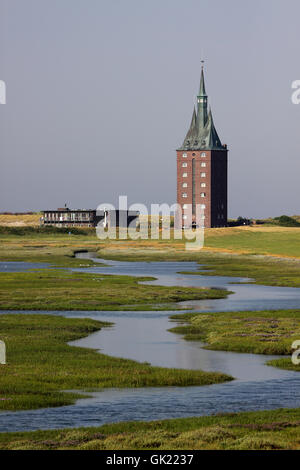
263,430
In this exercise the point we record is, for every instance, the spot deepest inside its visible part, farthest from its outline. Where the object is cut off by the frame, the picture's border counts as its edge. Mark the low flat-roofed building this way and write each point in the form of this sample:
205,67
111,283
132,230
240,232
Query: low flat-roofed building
65,217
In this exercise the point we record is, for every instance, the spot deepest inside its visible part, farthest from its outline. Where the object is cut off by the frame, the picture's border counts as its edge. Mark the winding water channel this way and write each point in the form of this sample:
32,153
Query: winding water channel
144,336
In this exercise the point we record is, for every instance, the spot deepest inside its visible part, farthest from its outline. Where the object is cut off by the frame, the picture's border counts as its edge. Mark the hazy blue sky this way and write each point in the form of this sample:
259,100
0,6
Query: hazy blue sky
100,94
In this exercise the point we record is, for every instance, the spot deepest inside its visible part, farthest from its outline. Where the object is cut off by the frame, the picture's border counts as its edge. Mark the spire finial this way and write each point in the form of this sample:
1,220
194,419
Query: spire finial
202,91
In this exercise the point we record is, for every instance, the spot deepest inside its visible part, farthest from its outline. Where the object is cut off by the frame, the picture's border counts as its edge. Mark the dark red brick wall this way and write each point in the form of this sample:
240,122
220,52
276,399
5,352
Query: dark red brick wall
219,189
215,180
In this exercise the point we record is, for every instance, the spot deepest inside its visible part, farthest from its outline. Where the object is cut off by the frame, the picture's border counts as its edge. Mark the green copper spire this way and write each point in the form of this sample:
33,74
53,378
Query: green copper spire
202,91
202,134
212,137
192,130
202,103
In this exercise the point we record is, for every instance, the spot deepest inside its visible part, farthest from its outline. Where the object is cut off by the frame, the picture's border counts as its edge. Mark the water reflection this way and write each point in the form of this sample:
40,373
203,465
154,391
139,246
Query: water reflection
143,336
146,339
147,404
245,296
19,266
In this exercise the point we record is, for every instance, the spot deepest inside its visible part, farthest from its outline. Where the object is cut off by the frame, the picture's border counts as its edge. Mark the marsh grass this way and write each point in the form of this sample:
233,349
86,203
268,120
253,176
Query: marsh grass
266,332
235,251
260,269
272,240
41,364
262,430
15,220
58,289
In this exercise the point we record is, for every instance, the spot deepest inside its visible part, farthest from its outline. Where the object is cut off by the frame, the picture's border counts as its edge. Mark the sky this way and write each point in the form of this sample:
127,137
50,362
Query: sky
100,94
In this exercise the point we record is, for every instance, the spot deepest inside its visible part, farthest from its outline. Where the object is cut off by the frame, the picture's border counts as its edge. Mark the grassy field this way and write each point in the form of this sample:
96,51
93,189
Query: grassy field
58,289
21,220
264,430
263,269
267,332
263,240
270,255
55,249
58,249
257,239
260,239
250,240
41,364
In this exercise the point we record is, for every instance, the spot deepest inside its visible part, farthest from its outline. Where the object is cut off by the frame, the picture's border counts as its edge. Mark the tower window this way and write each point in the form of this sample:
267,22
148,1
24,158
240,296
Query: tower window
184,175
184,185
184,217
185,206
184,155
202,206
184,195
203,185
203,194
203,175
203,154
203,164
184,165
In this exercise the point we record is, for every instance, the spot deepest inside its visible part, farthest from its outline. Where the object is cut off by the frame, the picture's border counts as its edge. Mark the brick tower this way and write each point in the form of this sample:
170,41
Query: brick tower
202,169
